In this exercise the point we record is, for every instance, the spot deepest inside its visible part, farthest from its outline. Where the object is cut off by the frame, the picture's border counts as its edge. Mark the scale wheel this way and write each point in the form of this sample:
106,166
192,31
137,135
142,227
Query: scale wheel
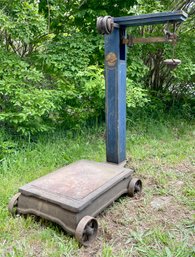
13,204
105,25
86,230
134,187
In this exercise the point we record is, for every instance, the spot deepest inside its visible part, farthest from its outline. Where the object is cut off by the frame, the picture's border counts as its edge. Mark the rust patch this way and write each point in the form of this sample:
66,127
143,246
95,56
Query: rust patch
79,179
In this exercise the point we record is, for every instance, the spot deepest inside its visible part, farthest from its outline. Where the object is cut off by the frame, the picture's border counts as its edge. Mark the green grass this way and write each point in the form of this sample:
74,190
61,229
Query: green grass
163,155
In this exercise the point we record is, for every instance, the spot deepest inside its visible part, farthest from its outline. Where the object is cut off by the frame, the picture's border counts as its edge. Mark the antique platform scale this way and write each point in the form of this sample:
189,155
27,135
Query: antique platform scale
73,195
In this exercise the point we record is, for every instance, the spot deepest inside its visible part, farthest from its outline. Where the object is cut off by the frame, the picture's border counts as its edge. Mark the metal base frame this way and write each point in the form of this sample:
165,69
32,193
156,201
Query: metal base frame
57,197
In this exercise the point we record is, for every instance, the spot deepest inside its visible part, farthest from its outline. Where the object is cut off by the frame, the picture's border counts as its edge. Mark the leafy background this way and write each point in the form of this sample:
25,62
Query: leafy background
51,71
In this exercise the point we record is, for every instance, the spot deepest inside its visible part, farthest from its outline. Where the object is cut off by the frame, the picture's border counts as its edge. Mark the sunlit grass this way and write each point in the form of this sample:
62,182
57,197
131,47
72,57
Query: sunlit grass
155,150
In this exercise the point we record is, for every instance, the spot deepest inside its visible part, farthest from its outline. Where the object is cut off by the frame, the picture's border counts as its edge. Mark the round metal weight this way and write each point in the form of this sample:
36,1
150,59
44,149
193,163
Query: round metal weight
172,63
105,25
13,203
99,25
134,187
86,230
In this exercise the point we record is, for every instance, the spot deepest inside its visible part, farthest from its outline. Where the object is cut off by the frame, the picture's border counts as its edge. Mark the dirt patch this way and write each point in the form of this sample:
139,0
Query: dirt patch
161,202
184,167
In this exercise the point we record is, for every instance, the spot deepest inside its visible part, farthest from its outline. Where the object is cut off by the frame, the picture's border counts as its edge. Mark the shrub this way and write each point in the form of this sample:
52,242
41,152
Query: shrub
25,102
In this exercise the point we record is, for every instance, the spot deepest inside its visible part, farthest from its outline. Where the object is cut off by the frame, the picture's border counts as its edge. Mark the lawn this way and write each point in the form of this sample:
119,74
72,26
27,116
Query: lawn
160,222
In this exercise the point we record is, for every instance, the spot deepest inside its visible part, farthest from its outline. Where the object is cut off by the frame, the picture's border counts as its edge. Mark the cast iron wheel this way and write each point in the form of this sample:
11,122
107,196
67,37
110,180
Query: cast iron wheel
13,203
86,230
134,187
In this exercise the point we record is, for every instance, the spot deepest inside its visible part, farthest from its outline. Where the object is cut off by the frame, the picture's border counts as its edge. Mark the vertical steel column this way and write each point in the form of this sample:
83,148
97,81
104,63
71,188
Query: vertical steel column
115,73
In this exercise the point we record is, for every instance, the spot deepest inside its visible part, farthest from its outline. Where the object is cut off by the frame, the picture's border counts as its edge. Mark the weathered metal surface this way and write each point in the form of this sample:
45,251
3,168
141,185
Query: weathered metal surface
86,230
115,77
67,218
151,19
135,187
75,186
146,40
115,72
67,196
105,25
172,63
29,204
13,204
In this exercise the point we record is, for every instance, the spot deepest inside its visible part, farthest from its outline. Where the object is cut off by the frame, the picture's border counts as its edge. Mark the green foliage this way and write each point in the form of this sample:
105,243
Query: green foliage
137,96
86,13
80,15
65,55
170,87
93,89
67,65
45,78
25,104
7,146
21,26
51,70
184,75
27,23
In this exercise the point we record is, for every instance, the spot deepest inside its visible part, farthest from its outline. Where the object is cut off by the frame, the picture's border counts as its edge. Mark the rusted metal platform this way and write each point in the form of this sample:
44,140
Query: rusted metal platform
73,195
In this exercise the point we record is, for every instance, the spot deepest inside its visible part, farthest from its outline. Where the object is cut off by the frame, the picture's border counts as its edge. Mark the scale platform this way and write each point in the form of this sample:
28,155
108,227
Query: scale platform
73,195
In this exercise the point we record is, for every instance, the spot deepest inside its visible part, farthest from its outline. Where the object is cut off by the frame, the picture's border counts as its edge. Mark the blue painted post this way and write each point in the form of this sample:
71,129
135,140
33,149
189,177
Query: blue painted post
115,74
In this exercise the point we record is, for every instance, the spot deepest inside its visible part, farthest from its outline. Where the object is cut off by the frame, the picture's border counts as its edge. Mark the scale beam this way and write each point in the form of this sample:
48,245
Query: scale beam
131,41
151,19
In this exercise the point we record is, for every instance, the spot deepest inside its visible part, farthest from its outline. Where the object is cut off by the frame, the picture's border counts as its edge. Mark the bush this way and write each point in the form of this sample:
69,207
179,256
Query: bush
25,102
